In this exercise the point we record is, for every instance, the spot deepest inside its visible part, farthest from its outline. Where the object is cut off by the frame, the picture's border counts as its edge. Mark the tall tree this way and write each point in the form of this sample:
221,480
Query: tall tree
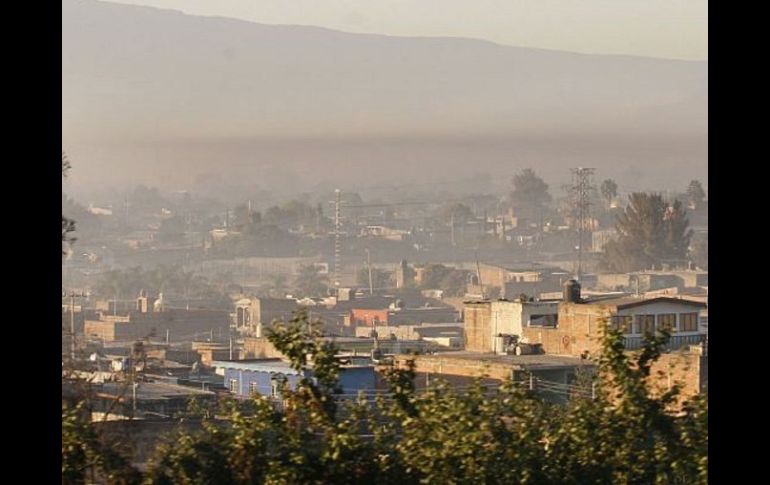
67,225
650,232
609,190
530,194
310,281
695,194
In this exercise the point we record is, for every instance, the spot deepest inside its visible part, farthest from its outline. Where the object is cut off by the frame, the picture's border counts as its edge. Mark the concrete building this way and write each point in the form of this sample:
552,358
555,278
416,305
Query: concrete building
579,323
532,280
148,320
253,314
486,322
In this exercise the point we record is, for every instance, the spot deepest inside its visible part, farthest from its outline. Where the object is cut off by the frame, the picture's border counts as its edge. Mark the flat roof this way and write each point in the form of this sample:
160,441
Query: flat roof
261,365
151,390
535,361
632,301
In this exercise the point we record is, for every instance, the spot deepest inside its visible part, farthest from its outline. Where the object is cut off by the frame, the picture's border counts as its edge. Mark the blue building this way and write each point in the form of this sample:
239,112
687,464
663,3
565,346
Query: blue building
266,376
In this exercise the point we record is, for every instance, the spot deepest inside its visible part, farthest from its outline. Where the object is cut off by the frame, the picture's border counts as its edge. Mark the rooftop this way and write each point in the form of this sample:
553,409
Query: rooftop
519,362
634,301
151,390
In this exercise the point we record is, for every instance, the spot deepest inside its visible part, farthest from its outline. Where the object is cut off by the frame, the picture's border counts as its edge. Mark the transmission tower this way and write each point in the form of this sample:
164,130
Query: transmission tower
337,245
581,191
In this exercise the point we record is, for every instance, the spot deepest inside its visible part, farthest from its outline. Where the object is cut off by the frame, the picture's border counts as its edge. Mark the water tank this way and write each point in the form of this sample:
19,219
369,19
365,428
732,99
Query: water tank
572,291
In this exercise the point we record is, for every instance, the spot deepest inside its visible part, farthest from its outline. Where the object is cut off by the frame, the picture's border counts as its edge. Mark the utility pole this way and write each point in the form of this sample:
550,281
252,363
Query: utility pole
369,266
581,189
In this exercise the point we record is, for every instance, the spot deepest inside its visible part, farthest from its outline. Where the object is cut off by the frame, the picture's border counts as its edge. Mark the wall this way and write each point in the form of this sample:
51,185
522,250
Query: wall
367,317
477,328
259,348
182,325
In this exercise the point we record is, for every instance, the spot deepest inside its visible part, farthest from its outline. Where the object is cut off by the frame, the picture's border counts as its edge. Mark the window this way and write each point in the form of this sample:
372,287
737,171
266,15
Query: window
644,324
253,388
233,386
543,320
688,322
276,384
667,321
622,323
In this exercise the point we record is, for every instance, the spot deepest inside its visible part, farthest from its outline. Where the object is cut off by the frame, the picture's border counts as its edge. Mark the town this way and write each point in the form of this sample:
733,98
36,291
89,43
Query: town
384,242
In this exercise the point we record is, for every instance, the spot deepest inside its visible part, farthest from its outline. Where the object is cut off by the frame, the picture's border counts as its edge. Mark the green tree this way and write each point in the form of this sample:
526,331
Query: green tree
67,225
622,433
530,195
650,232
380,279
310,282
609,190
695,194
699,251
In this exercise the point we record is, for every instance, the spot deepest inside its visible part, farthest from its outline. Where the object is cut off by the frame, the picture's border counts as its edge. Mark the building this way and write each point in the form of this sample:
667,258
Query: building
253,314
487,323
645,281
448,335
532,280
266,377
148,320
553,376
579,322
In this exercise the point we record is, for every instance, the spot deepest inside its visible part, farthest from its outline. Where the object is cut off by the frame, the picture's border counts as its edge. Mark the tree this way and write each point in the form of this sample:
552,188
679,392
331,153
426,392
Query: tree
650,232
695,194
310,281
380,279
699,251
624,432
67,225
530,194
172,229
459,213
609,190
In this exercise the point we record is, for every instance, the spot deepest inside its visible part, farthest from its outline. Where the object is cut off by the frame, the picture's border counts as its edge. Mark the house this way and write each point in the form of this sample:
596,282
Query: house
488,322
579,322
148,319
253,314
531,280
266,377
553,376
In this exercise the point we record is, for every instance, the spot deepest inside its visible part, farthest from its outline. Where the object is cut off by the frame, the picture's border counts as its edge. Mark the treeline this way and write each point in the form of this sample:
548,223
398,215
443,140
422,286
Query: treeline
627,434
168,279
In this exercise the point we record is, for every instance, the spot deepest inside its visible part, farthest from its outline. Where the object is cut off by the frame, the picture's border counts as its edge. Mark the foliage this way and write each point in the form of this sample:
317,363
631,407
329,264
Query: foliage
84,452
380,279
310,282
609,190
530,193
172,280
451,281
650,232
699,251
695,193
626,434
67,225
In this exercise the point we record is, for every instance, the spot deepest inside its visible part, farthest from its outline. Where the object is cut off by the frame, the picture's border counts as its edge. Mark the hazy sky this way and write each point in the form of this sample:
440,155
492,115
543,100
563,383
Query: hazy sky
676,29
